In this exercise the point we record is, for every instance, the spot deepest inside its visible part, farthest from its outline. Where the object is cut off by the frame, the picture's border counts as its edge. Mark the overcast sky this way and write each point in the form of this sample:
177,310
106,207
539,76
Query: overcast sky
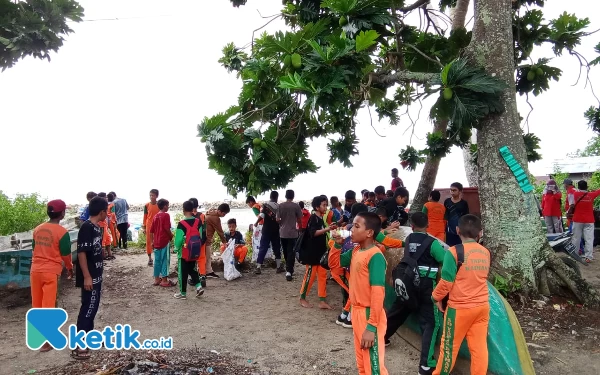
117,108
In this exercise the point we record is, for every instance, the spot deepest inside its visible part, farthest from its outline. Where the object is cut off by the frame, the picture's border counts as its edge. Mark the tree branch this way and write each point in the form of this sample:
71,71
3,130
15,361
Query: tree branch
424,55
413,6
403,76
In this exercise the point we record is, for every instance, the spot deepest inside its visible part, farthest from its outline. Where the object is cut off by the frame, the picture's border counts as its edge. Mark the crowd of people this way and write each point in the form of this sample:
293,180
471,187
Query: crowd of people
579,209
346,241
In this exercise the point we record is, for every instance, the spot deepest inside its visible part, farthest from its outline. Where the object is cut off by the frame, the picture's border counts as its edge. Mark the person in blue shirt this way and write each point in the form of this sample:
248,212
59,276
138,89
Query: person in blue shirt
86,211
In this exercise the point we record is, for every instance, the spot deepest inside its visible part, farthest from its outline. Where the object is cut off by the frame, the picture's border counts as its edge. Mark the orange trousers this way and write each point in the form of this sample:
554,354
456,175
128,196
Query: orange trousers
202,261
114,233
149,248
341,276
309,278
44,289
369,361
460,323
239,252
440,235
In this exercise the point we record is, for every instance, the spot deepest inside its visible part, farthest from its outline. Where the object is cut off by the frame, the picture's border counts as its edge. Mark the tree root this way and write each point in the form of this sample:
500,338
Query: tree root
556,274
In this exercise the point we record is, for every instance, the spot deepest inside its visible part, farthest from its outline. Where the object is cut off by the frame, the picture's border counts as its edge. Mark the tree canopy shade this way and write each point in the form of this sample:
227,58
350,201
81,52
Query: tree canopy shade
34,28
343,55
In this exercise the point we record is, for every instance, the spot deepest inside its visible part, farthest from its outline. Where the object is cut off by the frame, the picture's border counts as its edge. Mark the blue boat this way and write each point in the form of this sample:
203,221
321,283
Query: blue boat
15,264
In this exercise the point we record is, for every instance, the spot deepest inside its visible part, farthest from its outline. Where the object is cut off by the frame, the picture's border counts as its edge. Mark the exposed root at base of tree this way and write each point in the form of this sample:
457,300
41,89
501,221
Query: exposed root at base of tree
556,278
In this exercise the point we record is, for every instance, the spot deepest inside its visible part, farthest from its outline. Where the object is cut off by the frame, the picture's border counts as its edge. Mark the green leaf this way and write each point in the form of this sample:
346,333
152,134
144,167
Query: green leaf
294,83
366,39
444,74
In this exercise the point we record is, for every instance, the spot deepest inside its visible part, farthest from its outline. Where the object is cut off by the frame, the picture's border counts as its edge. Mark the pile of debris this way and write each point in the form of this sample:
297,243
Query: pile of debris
172,362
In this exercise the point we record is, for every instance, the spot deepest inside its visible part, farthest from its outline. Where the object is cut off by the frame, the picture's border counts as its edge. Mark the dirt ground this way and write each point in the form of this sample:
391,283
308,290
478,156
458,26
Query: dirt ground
255,326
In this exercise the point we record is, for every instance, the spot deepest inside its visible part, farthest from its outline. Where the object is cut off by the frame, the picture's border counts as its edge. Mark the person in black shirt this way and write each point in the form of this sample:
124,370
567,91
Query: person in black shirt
456,207
89,269
270,233
314,247
395,206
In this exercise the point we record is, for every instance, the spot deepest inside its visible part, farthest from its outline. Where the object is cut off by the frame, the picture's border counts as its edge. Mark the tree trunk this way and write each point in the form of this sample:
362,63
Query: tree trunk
430,169
511,223
459,14
470,166
429,174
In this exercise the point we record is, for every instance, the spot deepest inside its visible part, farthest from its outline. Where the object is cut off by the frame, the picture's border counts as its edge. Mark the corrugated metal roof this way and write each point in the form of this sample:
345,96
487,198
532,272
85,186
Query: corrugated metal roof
588,164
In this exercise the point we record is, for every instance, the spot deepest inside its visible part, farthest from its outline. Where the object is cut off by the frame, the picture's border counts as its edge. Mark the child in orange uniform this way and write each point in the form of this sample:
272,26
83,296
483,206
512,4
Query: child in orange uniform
51,248
150,210
240,250
256,207
468,311
112,219
313,249
367,292
202,260
436,214
106,235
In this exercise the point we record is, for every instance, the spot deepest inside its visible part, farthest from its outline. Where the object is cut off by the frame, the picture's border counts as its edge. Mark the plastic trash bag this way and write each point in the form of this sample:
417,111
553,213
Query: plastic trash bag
256,236
229,270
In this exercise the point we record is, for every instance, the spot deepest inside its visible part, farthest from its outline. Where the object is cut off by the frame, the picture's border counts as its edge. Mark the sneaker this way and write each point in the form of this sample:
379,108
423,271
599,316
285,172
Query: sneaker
258,271
199,292
212,275
179,296
288,276
388,343
203,281
347,323
150,263
280,269
340,321
426,370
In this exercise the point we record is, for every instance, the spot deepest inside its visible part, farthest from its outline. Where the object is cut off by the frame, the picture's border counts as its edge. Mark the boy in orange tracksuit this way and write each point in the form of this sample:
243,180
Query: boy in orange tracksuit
436,214
112,219
367,292
240,251
150,210
51,247
314,247
106,235
468,311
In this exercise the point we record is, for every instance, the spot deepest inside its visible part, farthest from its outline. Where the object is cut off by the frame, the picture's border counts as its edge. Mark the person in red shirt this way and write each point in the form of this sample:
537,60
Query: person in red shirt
583,217
551,207
305,216
160,236
397,181
569,188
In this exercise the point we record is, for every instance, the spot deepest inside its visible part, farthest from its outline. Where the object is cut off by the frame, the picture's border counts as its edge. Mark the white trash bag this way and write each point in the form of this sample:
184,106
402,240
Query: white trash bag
229,270
256,236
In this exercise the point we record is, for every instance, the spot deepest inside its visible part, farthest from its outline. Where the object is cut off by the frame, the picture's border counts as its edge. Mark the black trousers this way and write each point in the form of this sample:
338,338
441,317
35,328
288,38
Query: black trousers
452,239
399,311
122,228
269,237
288,250
90,301
187,269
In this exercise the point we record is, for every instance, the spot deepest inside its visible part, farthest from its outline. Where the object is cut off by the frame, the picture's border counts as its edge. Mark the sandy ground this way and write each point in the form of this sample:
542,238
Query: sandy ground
257,321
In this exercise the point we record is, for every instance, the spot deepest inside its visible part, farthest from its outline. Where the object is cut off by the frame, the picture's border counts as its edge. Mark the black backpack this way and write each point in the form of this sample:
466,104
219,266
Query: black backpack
406,274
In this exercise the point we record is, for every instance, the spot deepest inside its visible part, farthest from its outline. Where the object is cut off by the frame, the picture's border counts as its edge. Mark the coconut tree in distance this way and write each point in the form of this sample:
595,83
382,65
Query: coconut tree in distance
342,55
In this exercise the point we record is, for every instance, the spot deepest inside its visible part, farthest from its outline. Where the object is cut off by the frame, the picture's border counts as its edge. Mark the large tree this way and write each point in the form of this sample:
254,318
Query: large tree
343,55
34,28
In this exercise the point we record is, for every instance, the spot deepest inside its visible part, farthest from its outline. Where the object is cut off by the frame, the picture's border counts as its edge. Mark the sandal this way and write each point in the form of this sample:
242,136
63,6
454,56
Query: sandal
80,354
46,348
168,284
110,257
156,284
